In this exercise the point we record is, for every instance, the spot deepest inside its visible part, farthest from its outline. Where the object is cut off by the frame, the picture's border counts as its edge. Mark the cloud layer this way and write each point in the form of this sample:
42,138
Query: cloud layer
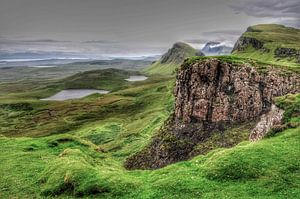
282,11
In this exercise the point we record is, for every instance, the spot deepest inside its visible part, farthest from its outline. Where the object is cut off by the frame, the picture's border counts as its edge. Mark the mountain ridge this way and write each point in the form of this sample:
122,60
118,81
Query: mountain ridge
172,59
271,43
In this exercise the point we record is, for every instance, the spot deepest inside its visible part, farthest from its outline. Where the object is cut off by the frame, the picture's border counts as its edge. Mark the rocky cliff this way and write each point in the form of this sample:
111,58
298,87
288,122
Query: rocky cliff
212,96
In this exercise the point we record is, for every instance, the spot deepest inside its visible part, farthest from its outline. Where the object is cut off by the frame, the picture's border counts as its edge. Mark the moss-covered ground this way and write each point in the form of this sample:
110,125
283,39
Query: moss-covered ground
76,148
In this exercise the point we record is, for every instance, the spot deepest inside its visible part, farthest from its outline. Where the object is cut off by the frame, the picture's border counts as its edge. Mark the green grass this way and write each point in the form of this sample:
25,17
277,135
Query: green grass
260,65
108,79
34,167
171,60
79,151
23,114
162,69
276,34
273,36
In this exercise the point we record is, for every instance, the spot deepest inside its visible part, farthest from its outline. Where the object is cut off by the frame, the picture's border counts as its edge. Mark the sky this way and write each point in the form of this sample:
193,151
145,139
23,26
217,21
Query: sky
132,27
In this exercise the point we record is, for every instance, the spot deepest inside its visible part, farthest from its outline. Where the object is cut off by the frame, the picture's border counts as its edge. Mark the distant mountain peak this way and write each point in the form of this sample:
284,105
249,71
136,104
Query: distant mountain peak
216,48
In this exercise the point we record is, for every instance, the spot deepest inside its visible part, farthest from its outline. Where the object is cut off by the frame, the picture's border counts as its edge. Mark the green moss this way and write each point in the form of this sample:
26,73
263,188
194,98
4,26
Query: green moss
260,65
291,105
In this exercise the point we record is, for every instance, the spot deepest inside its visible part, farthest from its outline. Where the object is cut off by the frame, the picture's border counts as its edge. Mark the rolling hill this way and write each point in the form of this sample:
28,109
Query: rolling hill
172,59
78,148
270,43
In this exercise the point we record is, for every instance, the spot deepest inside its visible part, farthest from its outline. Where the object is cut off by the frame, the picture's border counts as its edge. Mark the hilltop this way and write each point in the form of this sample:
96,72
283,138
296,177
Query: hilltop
172,59
270,43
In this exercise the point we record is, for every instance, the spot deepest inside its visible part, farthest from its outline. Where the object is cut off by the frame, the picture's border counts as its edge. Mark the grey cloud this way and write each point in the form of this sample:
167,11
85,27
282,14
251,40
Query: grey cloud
99,42
135,26
223,32
283,11
196,41
44,41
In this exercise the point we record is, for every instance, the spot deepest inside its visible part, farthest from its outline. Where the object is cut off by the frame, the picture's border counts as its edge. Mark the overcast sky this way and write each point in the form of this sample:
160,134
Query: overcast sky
134,26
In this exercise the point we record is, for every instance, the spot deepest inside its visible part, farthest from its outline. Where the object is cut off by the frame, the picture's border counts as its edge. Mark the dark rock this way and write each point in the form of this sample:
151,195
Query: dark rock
288,52
243,42
212,96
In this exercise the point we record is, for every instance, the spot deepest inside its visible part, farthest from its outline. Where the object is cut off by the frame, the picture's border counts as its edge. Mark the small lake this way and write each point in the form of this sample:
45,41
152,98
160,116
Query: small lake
74,94
136,78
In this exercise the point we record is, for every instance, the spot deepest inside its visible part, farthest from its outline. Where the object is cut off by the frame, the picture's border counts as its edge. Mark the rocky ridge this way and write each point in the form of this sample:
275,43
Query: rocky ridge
211,96
178,53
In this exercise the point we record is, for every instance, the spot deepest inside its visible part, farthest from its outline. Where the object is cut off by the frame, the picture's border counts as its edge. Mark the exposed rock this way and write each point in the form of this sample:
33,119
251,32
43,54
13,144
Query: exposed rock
288,52
213,91
267,121
243,42
211,96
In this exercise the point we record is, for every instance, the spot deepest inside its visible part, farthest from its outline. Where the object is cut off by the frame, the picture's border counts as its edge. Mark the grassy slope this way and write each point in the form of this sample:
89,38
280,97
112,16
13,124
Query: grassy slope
69,167
169,67
22,113
273,36
90,138
260,65
87,161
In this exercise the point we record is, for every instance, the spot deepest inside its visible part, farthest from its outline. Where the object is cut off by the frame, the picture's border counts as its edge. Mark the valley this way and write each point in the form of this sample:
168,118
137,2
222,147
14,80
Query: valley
175,128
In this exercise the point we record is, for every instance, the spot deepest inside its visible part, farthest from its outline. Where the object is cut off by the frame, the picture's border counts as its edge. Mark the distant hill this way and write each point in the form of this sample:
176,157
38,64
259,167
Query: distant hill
173,58
271,43
216,48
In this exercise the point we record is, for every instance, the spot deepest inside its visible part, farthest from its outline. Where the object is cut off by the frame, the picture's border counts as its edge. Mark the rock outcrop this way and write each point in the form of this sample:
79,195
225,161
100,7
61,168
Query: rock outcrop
243,42
267,121
212,95
213,91
288,52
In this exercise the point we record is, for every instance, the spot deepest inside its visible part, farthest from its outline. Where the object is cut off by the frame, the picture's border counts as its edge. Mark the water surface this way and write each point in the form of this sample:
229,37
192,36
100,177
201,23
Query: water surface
74,94
136,78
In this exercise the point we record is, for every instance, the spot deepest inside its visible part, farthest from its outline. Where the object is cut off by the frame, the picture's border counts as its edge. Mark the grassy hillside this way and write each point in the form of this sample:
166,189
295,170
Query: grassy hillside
172,59
70,166
280,44
77,148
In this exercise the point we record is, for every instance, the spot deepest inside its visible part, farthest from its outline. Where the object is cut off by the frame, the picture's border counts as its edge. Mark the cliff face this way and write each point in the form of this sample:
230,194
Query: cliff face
213,91
243,42
212,96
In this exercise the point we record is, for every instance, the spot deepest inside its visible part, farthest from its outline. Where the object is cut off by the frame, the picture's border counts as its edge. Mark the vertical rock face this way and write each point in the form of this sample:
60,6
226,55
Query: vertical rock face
267,121
212,95
213,91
